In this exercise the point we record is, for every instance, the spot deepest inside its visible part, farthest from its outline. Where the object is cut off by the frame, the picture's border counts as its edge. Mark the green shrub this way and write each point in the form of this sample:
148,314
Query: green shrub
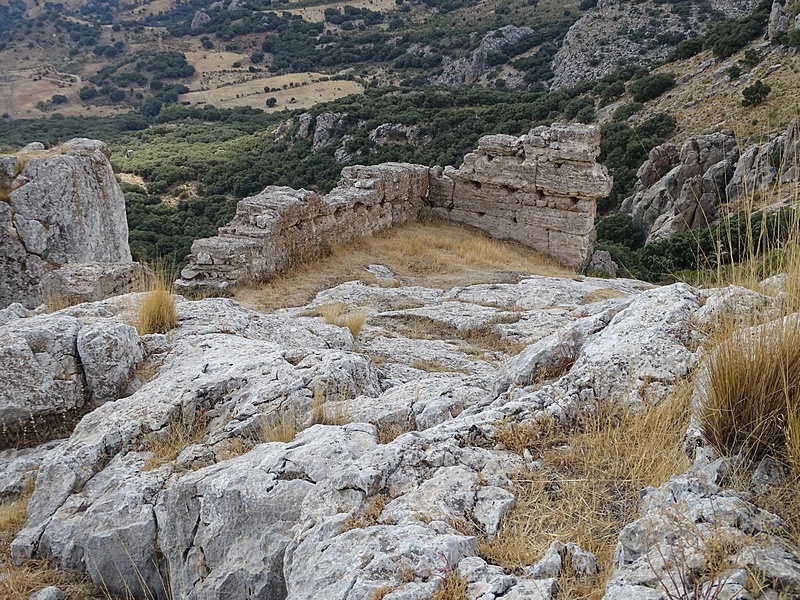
755,94
650,86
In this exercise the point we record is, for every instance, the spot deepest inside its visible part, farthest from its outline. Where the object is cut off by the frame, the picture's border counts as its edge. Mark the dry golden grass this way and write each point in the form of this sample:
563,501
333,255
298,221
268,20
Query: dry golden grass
156,313
435,366
434,254
724,109
19,582
588,487
228,88
287,423
602,294
165,448
750,401
388,433
282,427
750,394
340,314
453,587
369,515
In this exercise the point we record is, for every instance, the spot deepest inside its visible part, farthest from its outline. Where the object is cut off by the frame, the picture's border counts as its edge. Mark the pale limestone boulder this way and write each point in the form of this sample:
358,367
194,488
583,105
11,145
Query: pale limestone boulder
684,517
227,555
90,282
357,563
109,352
18,467
63,208
42,373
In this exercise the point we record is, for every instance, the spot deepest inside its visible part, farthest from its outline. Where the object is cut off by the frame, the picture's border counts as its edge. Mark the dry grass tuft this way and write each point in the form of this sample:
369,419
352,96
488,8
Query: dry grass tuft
282,427
749,391
588,486
339,314
166,446
435,366
535,435
453,587
389,433
287,423
433,254
58,302
38,429
369,515
157,312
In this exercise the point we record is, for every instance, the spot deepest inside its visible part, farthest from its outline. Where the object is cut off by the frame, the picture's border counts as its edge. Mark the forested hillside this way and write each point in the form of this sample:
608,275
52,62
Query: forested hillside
435,77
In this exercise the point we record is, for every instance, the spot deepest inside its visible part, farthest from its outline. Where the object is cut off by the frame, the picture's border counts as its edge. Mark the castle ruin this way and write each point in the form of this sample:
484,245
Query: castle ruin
539,189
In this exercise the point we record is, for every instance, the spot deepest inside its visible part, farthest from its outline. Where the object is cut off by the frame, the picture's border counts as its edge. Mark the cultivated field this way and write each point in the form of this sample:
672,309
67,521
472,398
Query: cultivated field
307,91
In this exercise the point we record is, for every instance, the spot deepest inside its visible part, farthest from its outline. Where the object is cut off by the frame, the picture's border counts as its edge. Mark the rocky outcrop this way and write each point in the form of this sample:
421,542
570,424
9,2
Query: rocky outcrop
321,130
660,554
200,18
466,71
55,209
281,225
778,20
539,189
680,190
761,166
348,511
99,507
397,133
614,33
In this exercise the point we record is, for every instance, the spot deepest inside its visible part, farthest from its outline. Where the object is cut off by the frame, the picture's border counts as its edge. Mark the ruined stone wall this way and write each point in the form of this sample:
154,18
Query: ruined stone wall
281,225
539,189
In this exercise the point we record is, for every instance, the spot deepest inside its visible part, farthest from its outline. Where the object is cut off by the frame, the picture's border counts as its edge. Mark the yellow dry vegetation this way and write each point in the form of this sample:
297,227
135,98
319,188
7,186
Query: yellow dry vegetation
156,312
317,12
589,485
433,254
306,91
697,112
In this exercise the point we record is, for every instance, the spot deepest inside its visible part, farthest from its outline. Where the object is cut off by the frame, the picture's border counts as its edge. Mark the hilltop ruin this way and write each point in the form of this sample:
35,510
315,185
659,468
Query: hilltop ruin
539,189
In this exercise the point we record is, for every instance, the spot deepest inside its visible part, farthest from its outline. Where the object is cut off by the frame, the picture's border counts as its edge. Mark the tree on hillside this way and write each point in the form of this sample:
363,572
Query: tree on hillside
755,94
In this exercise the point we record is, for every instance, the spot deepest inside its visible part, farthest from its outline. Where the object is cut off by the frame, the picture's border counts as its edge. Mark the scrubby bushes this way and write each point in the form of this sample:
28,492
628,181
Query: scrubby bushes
651,86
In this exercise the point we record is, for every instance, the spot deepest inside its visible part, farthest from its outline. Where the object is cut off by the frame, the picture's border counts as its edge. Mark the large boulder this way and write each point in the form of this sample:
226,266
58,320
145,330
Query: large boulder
57,208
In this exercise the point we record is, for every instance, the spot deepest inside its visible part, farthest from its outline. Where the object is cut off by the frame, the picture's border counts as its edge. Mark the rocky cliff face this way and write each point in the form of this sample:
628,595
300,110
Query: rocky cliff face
619,32
683,189
57,209
466,71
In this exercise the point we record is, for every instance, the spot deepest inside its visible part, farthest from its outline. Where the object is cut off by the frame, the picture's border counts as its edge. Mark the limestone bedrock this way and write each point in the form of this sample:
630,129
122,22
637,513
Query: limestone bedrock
57,209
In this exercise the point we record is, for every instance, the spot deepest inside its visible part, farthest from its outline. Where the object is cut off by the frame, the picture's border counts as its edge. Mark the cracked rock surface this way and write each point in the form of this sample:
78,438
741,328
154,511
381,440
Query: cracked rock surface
394,450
